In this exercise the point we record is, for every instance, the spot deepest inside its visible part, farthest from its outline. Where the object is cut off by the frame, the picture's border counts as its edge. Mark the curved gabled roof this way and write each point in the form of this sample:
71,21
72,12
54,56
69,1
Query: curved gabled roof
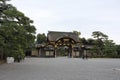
54,36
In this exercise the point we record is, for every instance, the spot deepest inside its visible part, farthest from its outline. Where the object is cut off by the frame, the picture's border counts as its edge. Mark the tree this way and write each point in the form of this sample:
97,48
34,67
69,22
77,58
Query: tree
103,45
17,33
77,33
41,38
110,49
90,41
99,35
83,41
118,49
100,38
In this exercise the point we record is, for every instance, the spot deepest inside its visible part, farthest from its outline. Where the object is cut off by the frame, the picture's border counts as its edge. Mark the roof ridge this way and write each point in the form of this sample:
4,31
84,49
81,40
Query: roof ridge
59,32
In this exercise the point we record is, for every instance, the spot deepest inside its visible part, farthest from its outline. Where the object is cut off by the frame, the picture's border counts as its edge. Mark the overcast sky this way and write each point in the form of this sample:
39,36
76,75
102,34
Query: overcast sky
85,16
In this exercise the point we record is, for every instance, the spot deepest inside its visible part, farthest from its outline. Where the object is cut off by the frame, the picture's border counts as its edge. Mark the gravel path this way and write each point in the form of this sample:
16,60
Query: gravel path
61,68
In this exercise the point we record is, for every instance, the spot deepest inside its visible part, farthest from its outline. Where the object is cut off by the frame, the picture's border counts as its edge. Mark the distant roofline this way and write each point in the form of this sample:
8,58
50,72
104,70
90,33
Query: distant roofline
60,31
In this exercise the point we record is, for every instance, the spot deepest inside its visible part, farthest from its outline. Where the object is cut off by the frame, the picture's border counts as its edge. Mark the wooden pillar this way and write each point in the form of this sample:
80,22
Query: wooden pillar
55,52
85,53
73,52
39,52
70,51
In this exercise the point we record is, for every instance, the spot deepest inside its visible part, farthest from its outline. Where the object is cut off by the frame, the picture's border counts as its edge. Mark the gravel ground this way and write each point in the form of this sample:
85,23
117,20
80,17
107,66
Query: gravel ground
61,68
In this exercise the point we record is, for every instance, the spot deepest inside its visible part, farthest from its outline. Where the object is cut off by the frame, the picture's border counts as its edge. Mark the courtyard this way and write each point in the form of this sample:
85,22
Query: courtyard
61,68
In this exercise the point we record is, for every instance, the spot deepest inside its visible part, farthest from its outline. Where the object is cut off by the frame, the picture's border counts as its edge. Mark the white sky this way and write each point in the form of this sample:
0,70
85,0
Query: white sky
85,16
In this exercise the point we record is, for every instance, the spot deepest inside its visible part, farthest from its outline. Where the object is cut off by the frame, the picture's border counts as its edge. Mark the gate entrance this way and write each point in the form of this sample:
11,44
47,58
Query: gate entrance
64,46
63,43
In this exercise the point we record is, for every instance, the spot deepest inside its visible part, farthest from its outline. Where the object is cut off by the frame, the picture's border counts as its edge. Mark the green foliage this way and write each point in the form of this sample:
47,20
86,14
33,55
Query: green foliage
100,38
110,49
90,41
16,51
83,41
118,49
103,46
77,33
99,35
41,38
17,33
62,51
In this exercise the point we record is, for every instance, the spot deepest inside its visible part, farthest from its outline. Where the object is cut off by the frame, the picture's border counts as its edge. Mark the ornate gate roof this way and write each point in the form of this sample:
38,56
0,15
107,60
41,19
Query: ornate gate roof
54,36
